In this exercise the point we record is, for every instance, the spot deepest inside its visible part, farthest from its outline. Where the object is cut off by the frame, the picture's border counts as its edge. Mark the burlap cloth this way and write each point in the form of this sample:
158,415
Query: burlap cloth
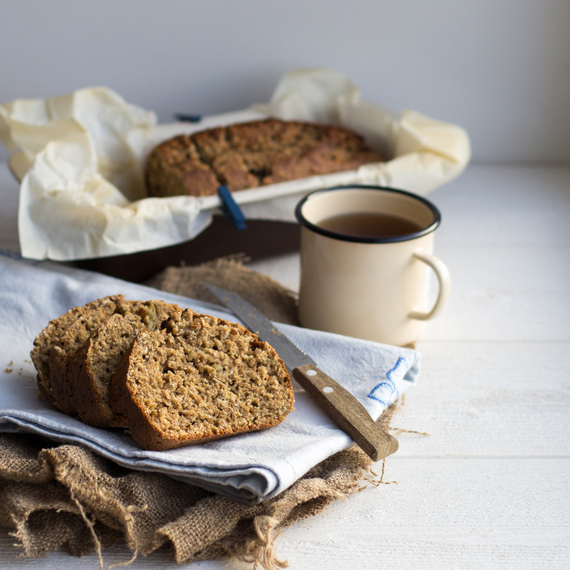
55,496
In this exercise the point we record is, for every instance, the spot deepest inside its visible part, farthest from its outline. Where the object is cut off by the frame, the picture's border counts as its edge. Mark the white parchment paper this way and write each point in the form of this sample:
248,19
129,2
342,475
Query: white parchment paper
80,159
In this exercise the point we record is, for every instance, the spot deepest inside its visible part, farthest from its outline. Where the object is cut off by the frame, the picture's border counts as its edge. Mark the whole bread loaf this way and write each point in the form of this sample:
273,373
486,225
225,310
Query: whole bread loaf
170,377
247,155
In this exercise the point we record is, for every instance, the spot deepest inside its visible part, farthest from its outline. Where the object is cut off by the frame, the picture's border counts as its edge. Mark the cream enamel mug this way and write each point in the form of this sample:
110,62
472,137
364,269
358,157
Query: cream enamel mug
369,287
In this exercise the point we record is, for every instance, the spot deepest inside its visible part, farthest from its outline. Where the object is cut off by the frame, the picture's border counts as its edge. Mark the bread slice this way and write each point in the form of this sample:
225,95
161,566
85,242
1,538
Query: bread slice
61,337
93,365
197,379
171,377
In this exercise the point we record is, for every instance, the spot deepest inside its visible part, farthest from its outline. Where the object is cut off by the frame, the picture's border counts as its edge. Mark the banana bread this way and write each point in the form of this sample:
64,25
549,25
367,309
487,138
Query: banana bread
247,155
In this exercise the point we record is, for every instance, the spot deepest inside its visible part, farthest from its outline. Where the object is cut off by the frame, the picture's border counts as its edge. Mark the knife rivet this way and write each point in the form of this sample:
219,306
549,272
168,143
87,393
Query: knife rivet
328,389
311,373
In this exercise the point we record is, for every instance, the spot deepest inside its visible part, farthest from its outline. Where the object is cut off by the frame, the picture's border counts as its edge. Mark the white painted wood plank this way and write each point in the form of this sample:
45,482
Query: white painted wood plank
505,205
505,237
489,399
444,513
505,293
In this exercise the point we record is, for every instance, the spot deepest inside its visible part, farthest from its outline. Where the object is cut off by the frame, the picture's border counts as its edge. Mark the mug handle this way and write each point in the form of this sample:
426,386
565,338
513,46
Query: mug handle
444,279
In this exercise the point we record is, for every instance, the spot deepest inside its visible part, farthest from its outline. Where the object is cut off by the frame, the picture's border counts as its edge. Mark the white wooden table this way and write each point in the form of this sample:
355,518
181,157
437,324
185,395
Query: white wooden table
490,486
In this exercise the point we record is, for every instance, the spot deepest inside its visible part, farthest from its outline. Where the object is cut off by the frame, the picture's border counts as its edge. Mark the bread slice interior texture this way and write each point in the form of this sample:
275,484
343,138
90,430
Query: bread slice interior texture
197,379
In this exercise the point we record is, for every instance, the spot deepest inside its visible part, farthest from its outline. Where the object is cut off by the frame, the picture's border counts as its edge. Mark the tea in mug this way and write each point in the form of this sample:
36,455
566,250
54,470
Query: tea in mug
370,225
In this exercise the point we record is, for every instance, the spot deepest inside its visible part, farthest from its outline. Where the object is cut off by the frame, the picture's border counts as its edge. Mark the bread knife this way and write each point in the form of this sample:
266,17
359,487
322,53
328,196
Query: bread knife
340,405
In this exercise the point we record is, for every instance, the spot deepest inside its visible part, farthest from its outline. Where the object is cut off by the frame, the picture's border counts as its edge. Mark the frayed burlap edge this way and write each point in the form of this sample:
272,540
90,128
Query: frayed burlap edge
67,496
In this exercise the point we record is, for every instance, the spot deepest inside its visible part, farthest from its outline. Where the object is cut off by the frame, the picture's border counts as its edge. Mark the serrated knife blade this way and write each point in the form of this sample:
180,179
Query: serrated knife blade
341,406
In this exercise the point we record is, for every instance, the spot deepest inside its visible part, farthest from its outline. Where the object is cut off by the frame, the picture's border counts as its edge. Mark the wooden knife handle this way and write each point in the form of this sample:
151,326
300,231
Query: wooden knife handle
346,411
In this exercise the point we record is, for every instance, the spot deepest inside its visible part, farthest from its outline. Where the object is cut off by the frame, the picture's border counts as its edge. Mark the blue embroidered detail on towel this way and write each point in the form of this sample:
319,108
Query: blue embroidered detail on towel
374,394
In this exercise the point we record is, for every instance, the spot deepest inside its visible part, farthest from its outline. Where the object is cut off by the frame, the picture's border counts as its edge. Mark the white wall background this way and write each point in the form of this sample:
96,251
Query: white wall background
499,68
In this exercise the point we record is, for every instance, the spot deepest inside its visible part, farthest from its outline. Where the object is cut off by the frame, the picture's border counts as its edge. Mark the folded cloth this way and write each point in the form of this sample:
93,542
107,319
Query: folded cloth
250,467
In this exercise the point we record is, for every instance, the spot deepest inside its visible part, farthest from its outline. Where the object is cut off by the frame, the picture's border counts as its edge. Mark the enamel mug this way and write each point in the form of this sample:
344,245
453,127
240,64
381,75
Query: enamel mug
369,287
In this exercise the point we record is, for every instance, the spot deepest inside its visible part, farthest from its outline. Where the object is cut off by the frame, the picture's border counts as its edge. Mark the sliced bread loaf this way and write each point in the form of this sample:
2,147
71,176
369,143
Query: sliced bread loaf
197,379
59,339
94,364
61,348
